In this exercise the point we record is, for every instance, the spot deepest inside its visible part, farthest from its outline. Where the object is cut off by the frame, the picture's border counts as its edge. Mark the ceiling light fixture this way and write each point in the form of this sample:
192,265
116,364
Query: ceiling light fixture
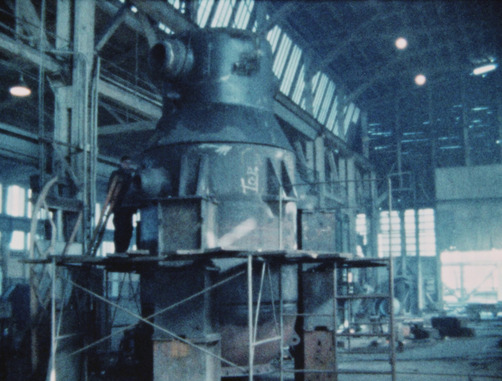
20,89
420,79
401,43
480,70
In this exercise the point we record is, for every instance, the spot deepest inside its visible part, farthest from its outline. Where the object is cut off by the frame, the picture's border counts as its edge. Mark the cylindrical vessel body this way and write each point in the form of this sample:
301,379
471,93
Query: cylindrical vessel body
223,143
219,175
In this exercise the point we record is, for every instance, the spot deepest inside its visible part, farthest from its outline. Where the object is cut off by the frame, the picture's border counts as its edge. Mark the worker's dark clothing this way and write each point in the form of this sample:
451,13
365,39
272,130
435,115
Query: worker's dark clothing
122,212
122,220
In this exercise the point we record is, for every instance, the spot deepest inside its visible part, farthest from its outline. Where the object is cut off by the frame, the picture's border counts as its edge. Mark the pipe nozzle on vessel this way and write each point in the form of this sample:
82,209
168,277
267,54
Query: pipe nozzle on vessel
170,59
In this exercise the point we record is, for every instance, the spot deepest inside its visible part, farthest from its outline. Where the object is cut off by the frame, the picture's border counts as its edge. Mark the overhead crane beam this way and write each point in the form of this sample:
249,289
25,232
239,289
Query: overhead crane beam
18,144
127,127
16,48
140,104
22,146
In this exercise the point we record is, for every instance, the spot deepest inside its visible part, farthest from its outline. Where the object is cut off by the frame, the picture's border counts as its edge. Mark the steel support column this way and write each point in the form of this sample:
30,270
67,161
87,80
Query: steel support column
82,127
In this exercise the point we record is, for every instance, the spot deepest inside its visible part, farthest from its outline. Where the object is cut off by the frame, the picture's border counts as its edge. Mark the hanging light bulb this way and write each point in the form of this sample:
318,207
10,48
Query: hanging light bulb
401,43
20,89
420,80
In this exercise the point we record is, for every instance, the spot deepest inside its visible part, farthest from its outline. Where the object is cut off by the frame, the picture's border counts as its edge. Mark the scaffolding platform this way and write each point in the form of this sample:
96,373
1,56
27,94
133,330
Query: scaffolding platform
131,259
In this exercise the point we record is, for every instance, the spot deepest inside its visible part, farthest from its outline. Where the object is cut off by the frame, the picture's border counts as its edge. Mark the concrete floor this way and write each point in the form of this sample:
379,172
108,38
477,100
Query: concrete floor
454,359
477,358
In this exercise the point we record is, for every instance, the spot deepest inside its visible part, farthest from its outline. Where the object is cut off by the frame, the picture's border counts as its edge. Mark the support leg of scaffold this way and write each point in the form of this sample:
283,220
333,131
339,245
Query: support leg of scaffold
250,316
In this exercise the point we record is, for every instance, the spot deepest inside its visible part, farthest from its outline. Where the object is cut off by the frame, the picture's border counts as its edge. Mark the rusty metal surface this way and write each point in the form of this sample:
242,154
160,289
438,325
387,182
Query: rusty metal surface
319,355
318,300
186,224
174,360
163,287
249,213
317,230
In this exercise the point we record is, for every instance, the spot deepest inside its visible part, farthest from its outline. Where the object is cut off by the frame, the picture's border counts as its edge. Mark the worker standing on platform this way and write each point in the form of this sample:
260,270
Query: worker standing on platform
118,186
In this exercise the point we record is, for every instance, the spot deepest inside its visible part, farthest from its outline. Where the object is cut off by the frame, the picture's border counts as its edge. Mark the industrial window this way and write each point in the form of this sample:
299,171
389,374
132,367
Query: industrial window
273,37
18,240
281,56
361,227
106,247
29,205
229,13
223,13
243,14
327,102
203,12
472,277
44,214
303,102
411,239
109,223
348,117
362,234
330,123
165,28
320,84
175,3
314,87
290,71
355,116
300,86
426,233
389,243
16,200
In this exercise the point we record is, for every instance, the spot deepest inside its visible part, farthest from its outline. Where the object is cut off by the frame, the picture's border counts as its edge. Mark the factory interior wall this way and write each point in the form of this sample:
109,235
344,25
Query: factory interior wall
468,232
469,208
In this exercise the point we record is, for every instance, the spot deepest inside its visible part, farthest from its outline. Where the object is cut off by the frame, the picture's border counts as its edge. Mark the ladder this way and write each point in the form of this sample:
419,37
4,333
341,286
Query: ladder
105,214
